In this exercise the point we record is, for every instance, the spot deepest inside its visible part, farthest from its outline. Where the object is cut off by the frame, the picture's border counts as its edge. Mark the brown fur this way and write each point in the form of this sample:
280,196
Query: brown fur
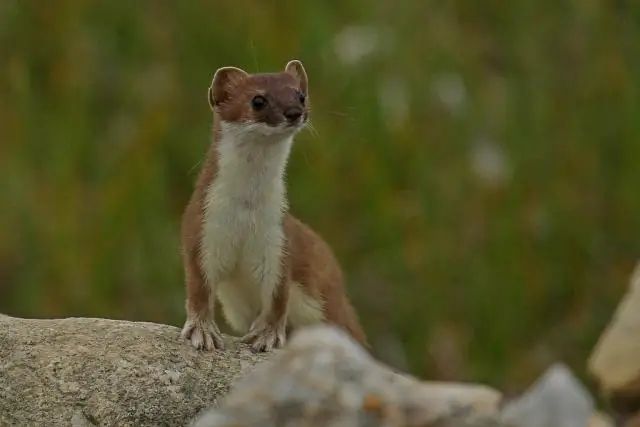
308,259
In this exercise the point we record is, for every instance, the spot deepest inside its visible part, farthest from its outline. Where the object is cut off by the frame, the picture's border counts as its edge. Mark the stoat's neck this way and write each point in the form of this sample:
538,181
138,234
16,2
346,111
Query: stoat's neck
251,169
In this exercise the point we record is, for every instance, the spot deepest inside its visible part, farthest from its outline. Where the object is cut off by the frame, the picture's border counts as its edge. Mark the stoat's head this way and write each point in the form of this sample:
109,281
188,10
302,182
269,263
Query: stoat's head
261,105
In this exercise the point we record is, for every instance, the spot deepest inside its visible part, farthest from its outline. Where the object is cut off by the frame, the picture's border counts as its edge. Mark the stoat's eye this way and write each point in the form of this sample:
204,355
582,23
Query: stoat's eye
259,102
302,97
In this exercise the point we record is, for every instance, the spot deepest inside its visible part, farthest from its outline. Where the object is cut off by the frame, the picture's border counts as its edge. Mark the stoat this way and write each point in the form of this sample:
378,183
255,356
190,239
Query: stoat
269,271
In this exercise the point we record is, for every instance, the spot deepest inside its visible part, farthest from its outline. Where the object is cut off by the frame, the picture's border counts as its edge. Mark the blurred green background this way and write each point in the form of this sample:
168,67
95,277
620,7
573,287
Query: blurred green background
475,169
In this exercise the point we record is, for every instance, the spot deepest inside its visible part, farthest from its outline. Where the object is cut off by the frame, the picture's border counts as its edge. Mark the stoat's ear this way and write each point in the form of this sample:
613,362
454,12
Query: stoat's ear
296,69
223,81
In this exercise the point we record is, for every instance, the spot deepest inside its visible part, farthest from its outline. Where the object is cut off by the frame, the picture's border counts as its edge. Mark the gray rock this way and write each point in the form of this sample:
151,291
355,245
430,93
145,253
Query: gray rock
557,399
615,359
85,372
323,378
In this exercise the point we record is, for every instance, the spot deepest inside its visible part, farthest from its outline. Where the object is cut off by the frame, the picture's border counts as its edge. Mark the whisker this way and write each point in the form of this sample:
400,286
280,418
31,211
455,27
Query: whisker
304,156
194,167
341,114
313,131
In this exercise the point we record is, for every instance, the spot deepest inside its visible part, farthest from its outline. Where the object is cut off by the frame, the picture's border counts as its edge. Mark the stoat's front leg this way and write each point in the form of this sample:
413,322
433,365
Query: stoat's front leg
200,327
268,330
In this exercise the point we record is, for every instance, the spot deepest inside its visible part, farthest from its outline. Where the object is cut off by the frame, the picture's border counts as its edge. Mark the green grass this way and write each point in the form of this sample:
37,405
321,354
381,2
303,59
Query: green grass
104,120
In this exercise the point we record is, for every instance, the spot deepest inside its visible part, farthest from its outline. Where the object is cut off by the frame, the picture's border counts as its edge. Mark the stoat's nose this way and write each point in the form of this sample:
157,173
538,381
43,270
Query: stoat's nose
292,114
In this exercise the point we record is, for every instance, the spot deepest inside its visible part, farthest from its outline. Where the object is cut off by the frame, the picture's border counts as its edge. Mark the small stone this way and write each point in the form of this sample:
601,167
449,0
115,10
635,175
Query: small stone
556,399
362,392
615,360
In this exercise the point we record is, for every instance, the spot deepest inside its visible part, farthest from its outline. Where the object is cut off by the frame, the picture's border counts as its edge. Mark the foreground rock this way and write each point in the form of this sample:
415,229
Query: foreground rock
85,372
324,379
89,372
556,399
615,361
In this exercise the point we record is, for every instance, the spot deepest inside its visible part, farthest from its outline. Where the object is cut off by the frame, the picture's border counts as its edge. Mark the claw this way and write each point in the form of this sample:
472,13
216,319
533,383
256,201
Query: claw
203,334
263,337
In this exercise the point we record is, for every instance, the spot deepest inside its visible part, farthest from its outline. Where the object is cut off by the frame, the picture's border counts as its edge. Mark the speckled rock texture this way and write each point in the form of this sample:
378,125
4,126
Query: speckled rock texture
84,372
323,378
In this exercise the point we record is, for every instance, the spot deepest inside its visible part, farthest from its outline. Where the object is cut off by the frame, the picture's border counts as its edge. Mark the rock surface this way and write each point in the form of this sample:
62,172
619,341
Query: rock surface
615,361
84,372
556,399
323,378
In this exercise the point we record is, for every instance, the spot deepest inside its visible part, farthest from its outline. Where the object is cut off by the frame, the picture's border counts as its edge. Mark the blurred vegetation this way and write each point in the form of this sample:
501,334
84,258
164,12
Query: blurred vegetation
475,170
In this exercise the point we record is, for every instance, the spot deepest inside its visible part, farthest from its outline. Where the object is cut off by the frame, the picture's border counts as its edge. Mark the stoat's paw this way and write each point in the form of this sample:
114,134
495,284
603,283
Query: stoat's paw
203,334
263,337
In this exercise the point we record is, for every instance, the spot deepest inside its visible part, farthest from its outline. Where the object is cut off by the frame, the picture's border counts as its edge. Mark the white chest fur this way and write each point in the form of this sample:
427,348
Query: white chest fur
243,238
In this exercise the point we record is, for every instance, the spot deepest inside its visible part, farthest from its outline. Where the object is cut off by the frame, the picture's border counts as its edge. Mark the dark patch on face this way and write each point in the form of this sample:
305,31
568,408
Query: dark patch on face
279,100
